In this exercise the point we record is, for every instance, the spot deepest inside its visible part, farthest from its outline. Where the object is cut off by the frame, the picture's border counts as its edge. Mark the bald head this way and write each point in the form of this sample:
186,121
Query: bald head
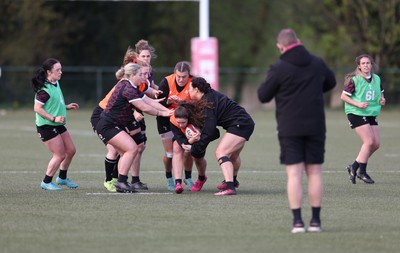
287,37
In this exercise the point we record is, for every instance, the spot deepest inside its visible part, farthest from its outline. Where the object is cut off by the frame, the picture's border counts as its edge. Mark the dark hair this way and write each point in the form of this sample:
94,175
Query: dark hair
130,56
201,84
357,71
144,45
40,77
183,66
193,111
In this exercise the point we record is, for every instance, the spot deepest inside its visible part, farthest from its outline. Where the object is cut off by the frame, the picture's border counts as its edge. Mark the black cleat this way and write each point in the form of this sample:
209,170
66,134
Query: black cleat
124,187
139,186
366,178
352,173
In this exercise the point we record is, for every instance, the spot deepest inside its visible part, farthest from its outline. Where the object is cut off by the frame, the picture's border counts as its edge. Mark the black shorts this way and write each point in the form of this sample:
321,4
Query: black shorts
96,115
143,125
244,131
106,130
356,121
307,149
94,119
133,125
163,125
47,132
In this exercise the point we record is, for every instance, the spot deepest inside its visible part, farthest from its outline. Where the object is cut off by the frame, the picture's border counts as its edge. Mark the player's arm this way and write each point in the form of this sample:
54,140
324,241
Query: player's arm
268,87
178,135
164,88
383,99
348,91
330,79
150,109
207,135
41,98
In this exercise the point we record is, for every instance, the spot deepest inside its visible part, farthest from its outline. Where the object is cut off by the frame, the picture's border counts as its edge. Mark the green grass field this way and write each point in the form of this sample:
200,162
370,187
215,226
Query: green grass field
356,218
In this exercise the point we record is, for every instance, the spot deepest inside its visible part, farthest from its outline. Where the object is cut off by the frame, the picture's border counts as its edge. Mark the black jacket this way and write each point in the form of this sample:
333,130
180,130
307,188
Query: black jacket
298,81
225,113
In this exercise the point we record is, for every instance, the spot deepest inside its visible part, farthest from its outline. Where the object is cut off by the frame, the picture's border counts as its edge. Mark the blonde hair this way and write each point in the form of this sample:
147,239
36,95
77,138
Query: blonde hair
120,73
128,70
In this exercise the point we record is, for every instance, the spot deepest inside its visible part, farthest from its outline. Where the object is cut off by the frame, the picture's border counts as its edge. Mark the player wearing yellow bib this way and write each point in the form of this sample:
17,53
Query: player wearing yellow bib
363,97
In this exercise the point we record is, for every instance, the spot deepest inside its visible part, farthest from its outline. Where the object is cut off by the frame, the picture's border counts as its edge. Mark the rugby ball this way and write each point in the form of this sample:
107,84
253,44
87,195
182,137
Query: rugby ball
191,130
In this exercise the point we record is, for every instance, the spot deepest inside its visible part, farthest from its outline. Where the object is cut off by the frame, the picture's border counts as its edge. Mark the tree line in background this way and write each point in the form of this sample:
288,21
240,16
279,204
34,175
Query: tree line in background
97,33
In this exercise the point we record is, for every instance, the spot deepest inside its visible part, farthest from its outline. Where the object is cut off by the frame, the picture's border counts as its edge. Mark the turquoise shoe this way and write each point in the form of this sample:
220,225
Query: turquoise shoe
189,182
170,184
66,182
50,186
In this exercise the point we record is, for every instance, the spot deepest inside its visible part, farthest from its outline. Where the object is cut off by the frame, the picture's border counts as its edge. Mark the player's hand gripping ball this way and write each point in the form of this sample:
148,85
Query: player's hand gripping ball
191,130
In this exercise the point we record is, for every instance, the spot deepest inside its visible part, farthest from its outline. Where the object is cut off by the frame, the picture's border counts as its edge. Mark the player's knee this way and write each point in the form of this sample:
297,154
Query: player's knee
223,159
167,136
169,154
141,147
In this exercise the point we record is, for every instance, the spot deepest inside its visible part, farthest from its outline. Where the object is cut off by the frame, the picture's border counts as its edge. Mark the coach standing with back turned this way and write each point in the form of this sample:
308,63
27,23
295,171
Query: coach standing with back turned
297,81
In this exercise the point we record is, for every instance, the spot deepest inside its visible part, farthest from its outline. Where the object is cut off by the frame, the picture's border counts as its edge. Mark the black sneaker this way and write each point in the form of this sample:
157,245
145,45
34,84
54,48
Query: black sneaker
352,173
124,187
366,178
139,186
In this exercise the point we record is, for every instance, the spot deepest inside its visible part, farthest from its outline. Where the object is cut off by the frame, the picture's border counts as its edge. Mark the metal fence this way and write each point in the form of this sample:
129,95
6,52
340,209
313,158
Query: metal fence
87,85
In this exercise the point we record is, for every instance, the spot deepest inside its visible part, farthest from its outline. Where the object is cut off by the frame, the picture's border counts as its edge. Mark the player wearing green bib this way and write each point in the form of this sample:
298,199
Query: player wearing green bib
51,115
54,105
363,96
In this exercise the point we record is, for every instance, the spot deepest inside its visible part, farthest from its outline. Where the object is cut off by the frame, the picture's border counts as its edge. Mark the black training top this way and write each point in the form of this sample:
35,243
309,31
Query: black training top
298,81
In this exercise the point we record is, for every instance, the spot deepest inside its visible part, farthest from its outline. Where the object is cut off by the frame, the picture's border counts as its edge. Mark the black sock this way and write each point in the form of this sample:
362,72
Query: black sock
178,181
315,214
230,185
355,165
115,170
168,174
135,179
122,178
188,174
234,178
47,179
62,174
297,216
202,178
109,168
363,168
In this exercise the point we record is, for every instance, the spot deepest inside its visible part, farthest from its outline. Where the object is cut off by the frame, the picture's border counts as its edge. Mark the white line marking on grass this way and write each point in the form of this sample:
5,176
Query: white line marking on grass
118,193
389,170
392,155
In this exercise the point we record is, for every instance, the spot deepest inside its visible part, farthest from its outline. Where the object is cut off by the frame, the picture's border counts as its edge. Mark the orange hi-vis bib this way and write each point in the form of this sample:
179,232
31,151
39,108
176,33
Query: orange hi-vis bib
184,94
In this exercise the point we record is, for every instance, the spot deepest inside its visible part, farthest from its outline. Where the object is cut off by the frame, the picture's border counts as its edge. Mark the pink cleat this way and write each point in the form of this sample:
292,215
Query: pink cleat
225,192
222,185
178,188
198,185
